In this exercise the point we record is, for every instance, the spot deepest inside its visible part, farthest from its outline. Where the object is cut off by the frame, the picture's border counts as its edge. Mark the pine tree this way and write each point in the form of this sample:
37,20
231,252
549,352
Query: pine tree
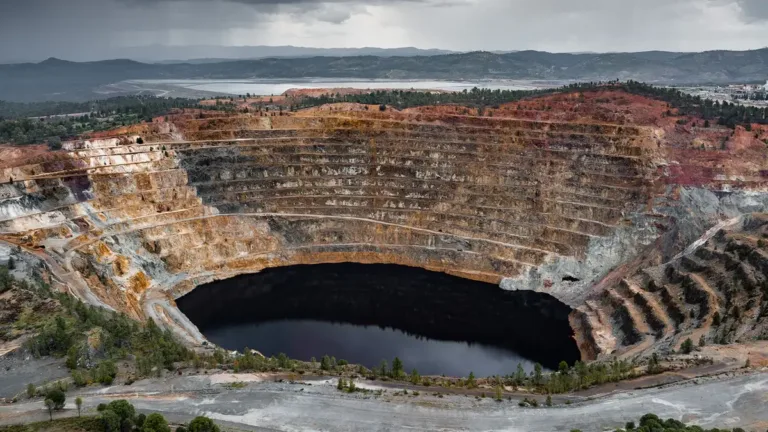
537,374
325,363
397,368
520,375
471,381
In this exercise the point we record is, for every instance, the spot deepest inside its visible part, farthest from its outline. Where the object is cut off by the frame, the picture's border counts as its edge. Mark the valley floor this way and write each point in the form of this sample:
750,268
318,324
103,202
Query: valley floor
264,405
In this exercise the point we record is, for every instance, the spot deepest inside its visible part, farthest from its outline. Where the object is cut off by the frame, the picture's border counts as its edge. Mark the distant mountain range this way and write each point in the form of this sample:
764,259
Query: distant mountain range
214,53
55,79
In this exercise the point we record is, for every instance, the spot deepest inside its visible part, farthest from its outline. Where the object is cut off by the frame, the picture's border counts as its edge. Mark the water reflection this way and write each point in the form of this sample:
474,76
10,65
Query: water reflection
368,345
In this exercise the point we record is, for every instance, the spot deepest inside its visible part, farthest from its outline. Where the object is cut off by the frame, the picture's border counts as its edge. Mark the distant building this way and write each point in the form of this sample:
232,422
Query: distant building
765,87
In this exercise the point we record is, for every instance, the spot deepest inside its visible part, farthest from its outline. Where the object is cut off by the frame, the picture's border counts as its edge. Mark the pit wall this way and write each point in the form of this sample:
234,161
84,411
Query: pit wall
553,207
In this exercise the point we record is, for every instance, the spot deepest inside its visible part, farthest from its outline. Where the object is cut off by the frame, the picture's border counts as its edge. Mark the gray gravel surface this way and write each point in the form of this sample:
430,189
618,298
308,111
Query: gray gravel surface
318,406
19,369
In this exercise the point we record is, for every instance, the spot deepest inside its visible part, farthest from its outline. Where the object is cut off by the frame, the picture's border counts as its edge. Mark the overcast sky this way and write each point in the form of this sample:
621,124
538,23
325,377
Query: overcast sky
32,29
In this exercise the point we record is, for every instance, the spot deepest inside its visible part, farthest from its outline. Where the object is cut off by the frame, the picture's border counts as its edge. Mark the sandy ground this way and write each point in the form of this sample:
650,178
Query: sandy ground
317,406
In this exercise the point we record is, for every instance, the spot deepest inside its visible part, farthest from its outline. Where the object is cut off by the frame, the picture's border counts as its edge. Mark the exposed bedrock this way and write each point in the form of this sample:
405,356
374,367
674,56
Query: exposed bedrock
570,209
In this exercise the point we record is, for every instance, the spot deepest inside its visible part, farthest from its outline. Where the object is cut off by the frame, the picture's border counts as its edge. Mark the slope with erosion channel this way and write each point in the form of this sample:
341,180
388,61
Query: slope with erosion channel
571,201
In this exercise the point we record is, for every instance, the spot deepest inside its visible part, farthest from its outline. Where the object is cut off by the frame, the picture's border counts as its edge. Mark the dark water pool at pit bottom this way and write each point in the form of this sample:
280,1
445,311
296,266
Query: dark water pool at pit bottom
442,324
369,345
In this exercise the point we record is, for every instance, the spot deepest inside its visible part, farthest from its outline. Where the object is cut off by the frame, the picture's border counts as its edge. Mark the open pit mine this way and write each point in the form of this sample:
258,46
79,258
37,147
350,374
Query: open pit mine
644,227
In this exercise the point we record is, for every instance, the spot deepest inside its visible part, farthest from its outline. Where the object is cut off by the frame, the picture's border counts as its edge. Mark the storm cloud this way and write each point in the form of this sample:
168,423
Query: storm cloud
33,30
754,9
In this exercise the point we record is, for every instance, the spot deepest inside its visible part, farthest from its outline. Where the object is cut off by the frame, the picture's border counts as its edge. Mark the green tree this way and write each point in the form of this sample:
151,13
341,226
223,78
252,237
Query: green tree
341,384
6,280
702,341
415,378
202,424
79,404
397,368
687,346
110,420
520,375
31,390
122,408
57,397
50,405
537,374
325,363
106,372
653,364
283,361
156,423
80,378
127,425
498,394
549,401
471,381
54,143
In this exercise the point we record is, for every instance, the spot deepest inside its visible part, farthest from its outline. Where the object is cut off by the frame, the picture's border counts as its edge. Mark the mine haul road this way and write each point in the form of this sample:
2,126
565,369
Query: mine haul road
265,405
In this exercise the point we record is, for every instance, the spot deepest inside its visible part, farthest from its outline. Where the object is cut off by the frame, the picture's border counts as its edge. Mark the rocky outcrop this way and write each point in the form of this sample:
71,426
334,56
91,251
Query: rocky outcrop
563,207
715,293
